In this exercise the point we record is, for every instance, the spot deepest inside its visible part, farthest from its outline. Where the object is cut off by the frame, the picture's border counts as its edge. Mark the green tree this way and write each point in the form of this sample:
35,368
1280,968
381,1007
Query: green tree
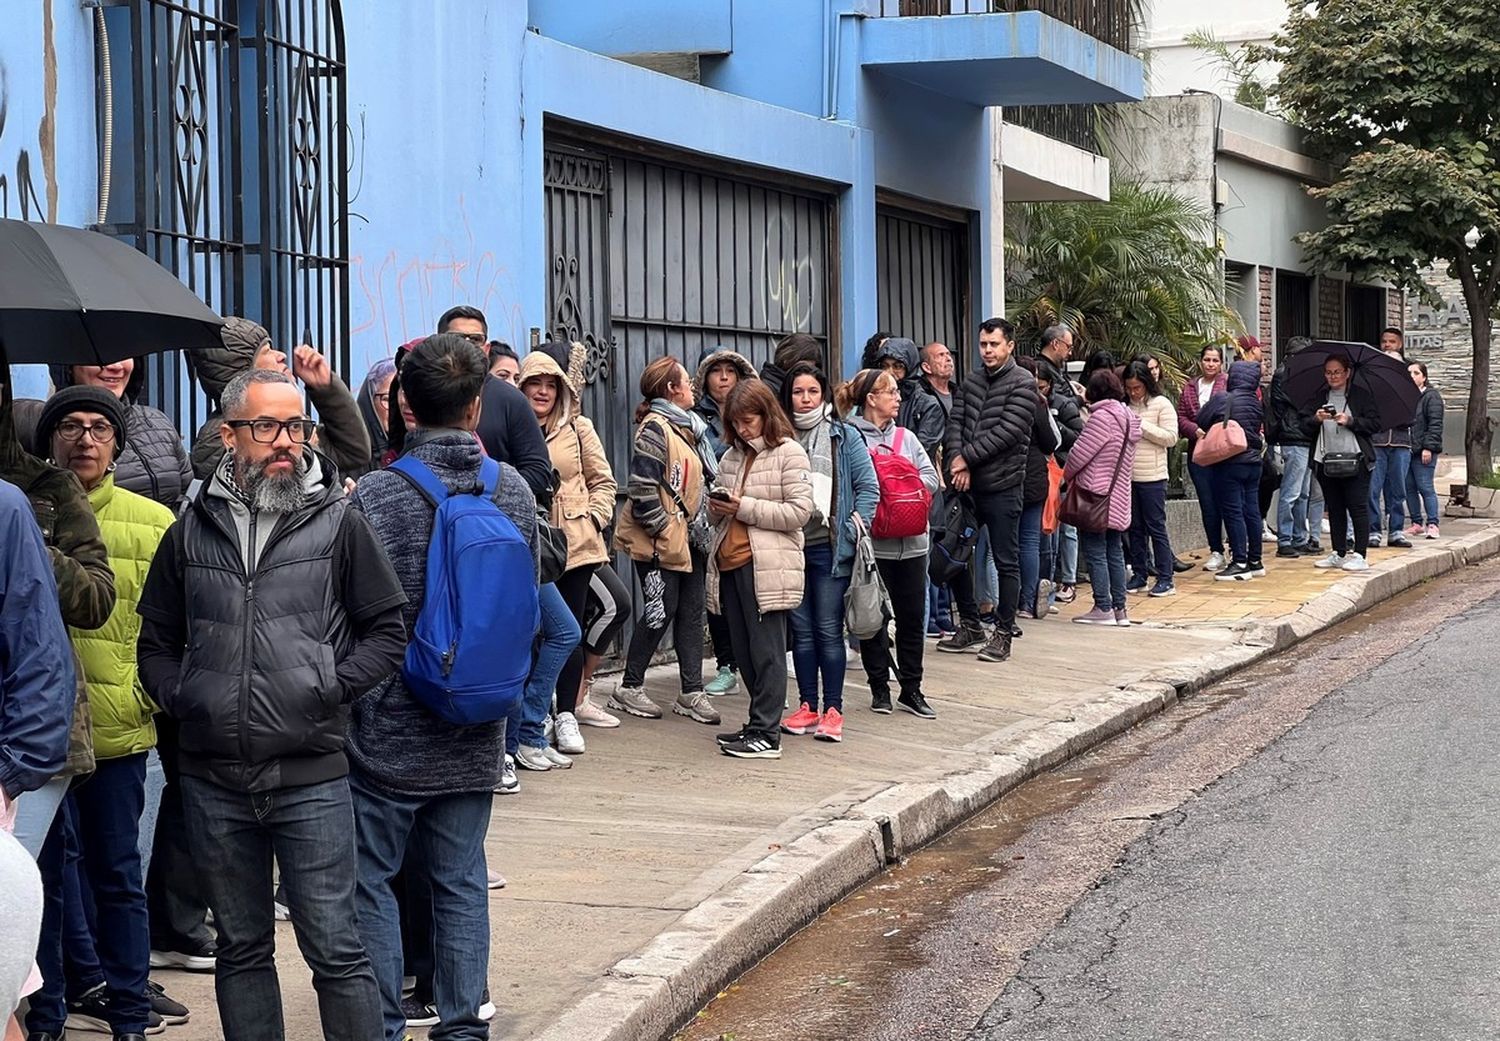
1403,97
1136,275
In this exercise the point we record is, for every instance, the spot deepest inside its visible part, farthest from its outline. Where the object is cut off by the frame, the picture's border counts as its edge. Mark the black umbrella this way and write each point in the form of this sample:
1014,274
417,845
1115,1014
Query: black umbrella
1383,377
76,297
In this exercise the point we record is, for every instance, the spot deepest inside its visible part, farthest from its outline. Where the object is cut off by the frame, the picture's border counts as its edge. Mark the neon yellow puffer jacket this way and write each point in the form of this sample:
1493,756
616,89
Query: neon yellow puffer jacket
132,526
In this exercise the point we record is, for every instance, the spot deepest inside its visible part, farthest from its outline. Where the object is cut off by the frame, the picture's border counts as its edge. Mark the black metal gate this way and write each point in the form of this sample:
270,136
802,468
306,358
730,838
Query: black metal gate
1364,313
1294,308
229,165
922,265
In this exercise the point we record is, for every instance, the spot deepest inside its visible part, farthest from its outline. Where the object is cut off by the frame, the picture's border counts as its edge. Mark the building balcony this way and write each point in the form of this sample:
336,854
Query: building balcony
1006,52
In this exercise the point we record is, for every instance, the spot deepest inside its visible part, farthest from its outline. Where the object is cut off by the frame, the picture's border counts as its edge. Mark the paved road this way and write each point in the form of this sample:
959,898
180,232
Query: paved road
1345,883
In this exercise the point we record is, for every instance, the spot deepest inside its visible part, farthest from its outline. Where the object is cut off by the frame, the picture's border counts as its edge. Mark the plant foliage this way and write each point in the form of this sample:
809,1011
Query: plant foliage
1136,275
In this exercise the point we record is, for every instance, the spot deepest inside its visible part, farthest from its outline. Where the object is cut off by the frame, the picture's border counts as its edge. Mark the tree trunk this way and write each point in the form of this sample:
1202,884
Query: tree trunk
1477,431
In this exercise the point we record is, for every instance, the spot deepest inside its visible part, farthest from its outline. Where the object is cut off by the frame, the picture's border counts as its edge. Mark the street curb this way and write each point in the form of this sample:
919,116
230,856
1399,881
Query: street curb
654,992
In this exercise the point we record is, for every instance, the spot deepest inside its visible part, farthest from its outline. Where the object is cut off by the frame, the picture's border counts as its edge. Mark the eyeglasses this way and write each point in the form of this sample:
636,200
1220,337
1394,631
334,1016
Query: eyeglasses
103,432
266,431
477,339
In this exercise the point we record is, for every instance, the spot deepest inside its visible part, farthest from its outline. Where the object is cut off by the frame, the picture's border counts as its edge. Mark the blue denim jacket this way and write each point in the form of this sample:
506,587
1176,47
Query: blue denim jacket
855,484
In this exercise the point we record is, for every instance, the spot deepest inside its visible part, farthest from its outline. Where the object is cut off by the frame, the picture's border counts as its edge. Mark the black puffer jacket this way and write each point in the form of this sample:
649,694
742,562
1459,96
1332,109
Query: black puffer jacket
155,462
1427,424
1283,419
990,426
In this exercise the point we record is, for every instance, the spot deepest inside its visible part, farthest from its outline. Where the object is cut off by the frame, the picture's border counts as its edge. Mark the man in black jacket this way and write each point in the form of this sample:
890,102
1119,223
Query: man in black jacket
507,427
1299,516
269,607
988,434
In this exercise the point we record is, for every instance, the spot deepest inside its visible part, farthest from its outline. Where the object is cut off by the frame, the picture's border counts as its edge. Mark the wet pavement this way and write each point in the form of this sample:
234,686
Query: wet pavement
923,950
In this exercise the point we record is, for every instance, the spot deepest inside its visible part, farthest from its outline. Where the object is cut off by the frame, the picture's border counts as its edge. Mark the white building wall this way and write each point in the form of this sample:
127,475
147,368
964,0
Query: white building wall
1174,67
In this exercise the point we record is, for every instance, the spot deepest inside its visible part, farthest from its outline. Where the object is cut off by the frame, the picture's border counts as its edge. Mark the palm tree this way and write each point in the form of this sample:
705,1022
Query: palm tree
1135,275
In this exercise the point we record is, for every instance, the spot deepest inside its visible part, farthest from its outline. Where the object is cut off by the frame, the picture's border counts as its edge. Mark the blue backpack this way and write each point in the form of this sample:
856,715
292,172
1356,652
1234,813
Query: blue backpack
470,653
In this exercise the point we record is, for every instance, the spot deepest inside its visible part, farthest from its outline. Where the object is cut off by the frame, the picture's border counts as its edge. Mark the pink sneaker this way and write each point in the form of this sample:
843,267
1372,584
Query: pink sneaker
803,721
1432,531
1414,531
831,726
1097,616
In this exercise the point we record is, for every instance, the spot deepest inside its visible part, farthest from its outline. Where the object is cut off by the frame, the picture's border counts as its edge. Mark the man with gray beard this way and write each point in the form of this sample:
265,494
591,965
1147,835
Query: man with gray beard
269,607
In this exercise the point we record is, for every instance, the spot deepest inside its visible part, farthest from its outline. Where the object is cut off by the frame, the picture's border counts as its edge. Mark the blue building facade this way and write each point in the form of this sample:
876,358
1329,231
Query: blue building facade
660,175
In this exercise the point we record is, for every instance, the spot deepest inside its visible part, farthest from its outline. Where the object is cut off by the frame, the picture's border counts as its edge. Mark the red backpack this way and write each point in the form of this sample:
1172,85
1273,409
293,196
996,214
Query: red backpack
904,499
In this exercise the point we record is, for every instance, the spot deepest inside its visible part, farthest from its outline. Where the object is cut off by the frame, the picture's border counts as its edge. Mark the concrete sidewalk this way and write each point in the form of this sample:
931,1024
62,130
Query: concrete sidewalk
647,876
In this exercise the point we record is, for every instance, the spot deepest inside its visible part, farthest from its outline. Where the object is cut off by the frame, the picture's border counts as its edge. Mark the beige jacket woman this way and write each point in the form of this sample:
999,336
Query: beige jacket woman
584,503
775,502
1158,433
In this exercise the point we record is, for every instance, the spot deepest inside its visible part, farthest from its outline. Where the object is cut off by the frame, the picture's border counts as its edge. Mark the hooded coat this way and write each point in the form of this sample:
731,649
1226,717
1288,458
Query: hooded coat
921,413
341,429
154,462
584,504
1104,455
379,439
1241,401
705,405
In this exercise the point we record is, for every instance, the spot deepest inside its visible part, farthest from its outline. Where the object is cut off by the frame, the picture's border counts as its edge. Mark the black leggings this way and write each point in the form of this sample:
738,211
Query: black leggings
574,588
685,610
1346,500
906,582
718,631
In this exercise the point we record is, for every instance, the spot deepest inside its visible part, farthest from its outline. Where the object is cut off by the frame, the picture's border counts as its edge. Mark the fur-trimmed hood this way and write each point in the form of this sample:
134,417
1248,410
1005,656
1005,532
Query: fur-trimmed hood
712,356
570,402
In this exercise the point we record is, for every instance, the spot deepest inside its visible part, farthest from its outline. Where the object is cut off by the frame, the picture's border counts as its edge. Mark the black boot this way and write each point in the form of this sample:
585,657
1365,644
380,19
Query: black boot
880,698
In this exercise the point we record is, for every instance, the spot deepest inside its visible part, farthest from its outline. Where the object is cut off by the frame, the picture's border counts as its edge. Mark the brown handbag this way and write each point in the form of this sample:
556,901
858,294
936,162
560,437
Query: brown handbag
1089,511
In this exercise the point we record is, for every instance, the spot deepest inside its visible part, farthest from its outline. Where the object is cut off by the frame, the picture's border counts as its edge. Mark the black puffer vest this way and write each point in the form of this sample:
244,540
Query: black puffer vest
259,700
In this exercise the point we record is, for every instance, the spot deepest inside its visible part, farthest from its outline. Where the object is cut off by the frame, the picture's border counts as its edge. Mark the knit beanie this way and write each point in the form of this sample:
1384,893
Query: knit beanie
79,399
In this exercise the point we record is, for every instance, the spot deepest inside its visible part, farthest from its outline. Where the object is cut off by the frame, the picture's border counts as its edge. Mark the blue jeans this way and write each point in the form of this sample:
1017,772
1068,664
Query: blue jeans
35,812
1208,505
1148,531
447,831
156,783
1065,546
1237,495
94,844
986,579
1105,552
818,631
1031,553
309,830
1299,517
1421,489
1389,476
559,635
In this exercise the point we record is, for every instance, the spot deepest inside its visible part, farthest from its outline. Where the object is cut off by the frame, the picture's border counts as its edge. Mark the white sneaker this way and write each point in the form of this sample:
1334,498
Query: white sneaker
697,707
1333,560
494,880
528,758
1355,562
1267,535
509,784
591,715
556,758
569,740
1215,562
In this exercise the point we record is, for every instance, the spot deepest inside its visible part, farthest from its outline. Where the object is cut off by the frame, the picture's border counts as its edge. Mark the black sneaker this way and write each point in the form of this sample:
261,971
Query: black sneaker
90,1012
173,1013
1288,551
913,702
733,735
1179,565
1255,569
1311,548
754,745
880,701
1233,573
967,638
1398,541
998,649
192,958
419,1013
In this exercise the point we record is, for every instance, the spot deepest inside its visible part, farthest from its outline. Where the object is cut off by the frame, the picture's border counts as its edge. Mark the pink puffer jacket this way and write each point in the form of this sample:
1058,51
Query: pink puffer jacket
1095,458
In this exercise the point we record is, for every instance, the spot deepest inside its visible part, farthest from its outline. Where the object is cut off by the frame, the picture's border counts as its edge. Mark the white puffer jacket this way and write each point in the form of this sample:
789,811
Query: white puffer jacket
775,502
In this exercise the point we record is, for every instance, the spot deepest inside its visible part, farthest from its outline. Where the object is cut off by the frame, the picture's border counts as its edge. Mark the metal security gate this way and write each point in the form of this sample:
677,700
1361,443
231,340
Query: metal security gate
229,165
1364,314
922,265
645,258
1294,308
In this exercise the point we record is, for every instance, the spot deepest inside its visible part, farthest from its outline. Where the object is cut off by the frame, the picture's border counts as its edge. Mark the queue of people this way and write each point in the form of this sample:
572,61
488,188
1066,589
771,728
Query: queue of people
268,624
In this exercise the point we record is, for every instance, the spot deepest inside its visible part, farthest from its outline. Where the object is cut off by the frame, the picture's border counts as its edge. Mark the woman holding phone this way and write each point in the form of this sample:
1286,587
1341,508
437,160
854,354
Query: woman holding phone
1342,458
760,504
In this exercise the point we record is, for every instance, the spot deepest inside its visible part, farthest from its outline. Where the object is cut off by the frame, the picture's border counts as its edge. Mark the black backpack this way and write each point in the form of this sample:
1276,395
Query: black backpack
955,530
